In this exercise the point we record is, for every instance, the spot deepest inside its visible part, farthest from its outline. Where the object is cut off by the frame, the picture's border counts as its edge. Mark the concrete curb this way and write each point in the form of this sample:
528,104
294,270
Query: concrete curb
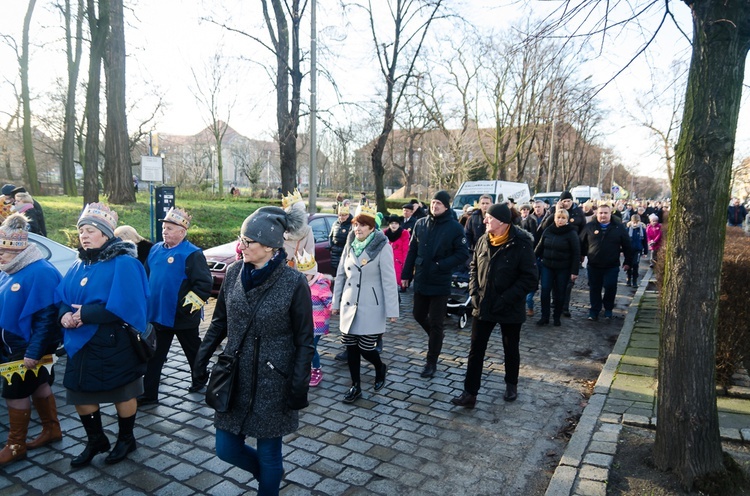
584,467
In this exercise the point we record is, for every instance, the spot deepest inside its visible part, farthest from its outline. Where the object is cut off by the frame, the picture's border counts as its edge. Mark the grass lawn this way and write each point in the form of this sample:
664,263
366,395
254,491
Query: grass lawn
215,221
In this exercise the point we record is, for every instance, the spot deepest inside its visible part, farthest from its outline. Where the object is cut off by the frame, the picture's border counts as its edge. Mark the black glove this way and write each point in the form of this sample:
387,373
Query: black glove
297,402
200,376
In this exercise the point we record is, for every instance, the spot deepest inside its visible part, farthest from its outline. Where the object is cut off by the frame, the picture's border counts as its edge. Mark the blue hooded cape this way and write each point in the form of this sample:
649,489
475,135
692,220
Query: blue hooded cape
119,283
24,293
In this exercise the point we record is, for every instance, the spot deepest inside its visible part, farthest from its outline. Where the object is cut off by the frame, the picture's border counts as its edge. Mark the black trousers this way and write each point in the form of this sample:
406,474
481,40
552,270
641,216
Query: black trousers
481,330
189,340
429,312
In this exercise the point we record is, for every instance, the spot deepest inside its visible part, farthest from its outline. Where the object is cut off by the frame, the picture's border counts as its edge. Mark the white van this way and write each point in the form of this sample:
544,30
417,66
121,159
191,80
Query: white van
586,193
550,197
500,191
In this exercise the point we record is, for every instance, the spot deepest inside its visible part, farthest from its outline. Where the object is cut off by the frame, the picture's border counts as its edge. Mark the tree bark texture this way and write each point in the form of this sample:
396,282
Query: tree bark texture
32,182
687,436
118,175
98,28
68,170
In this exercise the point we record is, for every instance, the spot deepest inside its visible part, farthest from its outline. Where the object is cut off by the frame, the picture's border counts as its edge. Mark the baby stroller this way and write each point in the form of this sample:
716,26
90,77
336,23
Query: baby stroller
459,302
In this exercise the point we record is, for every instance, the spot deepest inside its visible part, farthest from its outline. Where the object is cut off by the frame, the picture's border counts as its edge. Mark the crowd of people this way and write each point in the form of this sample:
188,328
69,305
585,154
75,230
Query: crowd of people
274,306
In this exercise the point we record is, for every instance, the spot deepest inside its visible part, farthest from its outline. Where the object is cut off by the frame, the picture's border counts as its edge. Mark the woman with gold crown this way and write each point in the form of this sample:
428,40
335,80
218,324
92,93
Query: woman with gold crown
30,335
365,295
104,289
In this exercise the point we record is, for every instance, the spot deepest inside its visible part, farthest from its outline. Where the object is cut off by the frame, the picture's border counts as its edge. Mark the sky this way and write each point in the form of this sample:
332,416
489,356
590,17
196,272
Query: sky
168,42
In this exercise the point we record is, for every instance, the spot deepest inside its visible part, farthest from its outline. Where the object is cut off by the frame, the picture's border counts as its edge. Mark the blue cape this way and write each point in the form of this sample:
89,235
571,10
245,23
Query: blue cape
120,284
24,293
166,272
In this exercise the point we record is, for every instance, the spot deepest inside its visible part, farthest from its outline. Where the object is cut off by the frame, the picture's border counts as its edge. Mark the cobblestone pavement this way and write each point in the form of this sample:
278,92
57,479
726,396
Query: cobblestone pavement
405,439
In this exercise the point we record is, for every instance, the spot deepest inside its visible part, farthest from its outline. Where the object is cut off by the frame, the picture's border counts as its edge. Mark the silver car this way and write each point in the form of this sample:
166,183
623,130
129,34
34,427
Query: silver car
58,255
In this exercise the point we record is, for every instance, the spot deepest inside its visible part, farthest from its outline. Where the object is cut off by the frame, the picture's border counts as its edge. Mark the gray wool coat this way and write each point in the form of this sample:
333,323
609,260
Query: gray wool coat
365,291
274,373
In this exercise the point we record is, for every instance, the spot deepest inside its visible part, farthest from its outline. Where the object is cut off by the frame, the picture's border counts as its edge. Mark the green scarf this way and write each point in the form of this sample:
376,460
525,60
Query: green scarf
359,246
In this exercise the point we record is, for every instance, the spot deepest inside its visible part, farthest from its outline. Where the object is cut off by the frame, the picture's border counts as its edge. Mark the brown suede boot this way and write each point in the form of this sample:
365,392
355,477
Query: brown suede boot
47,409
15,448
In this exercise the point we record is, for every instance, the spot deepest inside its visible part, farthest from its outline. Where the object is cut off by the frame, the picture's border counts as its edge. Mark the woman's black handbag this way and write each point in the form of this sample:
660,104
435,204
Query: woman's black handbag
144,344
222,382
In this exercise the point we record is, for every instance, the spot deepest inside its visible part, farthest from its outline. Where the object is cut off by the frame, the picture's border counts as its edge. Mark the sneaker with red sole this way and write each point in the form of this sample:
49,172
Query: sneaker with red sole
316,375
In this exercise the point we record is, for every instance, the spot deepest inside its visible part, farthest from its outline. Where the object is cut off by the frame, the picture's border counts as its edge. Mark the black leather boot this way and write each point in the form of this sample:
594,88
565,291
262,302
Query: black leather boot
125,440
354,393
97,440
511,392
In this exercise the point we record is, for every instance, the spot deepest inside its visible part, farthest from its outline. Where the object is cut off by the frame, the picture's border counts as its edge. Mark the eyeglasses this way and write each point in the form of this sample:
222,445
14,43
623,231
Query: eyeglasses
244,242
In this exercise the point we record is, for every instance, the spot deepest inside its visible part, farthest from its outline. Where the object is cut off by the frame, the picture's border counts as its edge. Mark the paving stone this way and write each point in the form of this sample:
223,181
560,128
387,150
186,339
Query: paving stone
598,459
607,448
636,420
591,488
594,473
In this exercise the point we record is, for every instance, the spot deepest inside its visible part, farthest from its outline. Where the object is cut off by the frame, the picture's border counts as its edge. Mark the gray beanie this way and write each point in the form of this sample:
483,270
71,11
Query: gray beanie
266,226
443,197
501,212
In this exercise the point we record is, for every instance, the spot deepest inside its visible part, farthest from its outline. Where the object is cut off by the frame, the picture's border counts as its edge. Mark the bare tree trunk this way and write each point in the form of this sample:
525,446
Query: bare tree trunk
118,177
28,145
287,112
687,436
68,170
98,28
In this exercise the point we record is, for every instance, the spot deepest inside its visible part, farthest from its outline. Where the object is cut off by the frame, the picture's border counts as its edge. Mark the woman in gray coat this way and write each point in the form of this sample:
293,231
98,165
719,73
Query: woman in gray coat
365,295
270,303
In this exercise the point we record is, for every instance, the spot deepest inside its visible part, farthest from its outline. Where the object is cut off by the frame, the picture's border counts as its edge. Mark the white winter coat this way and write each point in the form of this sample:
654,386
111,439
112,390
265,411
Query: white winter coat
365,291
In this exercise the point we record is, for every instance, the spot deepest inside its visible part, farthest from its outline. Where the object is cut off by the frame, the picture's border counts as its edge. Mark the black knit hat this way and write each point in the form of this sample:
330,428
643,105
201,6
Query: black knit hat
501,212
443,197
566,195
266,226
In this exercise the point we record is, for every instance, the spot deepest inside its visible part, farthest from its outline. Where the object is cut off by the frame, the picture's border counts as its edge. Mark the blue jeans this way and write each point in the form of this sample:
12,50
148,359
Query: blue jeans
530,296
554,280
316,356
265,463
602,279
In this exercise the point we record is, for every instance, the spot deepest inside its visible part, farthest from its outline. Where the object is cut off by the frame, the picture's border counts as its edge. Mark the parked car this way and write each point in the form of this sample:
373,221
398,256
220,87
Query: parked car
219,257
58,255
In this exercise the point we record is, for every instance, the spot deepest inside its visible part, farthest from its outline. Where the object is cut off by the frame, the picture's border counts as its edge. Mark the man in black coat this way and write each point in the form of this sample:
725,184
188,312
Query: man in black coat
437,247
410,219
602,240
503,272
736,213
180,284
475,224
337,238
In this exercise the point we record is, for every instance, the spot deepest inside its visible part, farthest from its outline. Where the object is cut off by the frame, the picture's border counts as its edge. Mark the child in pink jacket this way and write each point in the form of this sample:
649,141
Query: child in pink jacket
653,237
322,297
398,237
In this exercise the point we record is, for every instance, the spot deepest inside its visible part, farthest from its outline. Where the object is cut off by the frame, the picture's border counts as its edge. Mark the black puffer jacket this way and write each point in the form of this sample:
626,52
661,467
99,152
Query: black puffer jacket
501,277
337,240
560,248
437,247
474,227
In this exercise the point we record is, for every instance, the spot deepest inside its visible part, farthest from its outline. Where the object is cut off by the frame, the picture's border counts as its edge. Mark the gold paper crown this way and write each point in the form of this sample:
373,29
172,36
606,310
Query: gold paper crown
476,205
366,209
99,212
291,199
304,262
343,209
178,217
